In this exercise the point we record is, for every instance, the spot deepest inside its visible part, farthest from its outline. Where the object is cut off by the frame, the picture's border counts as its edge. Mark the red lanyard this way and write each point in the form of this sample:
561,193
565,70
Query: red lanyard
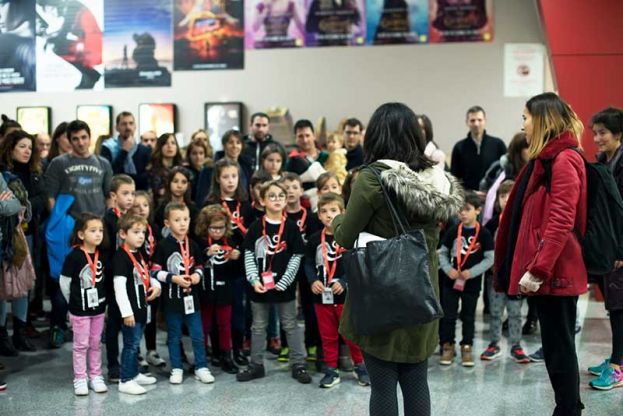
185,250
150,240
303,218
117,212
459,245
92,263
228,249
330,270
279,244
236,218
141,268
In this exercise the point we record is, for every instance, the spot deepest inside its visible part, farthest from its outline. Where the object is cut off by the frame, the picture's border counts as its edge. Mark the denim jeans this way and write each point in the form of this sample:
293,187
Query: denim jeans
19,307
174,325
129,356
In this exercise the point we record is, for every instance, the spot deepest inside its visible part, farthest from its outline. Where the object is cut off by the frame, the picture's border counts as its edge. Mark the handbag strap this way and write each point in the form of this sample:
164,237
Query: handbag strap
396,220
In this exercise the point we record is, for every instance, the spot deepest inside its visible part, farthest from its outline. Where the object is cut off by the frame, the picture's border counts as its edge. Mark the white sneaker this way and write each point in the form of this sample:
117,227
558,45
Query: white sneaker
154,359
144,380
204,375
131,387
81,388
97,384
177,376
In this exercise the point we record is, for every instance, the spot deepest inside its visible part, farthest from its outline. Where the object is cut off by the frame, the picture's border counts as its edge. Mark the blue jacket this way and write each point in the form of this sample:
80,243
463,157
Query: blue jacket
58,232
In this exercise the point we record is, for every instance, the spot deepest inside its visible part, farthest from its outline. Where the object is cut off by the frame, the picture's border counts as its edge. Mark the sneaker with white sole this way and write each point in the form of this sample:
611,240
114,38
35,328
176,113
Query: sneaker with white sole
131,387
177,376
144,380
204,375
81,387
97,384
153,358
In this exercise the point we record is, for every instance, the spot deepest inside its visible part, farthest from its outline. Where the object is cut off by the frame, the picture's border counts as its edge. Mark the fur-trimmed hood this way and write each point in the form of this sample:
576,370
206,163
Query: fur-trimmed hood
431,193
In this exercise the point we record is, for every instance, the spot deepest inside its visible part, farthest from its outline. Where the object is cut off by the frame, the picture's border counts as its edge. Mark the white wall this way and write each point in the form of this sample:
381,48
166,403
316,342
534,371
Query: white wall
441,80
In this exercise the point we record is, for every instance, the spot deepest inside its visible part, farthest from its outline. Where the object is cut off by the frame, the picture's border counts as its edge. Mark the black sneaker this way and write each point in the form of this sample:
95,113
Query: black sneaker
361,372
240,359
300,374
529,328
330,379
251,373
537,357
113,376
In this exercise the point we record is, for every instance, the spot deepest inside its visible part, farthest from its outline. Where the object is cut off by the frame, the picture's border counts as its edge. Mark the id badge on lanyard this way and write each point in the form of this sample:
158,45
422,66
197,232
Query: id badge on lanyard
93,300
327,296
189,305
268,281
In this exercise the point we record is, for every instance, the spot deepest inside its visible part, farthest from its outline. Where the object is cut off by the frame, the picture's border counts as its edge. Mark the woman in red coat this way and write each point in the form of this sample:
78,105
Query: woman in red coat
537,252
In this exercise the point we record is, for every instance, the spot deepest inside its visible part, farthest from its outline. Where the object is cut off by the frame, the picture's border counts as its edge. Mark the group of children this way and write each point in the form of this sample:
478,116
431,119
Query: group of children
198,266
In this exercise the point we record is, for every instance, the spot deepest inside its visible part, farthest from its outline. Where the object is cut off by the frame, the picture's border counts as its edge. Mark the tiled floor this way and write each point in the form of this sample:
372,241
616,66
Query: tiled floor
41,384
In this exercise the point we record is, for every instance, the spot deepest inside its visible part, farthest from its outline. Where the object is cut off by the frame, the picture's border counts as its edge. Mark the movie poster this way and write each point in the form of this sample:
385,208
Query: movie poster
69,45
275,24
461,20
209,34
156,117
335,22
396,21
17,45
138,43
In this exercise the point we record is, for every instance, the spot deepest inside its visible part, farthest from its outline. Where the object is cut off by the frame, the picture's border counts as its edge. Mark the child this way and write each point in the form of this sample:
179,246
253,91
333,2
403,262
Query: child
337,160
143,207
272,161
258,179
499,300
217,294
273,250
177,190
177,263
122,192
133,289
328,283
465,255
82,285
328,182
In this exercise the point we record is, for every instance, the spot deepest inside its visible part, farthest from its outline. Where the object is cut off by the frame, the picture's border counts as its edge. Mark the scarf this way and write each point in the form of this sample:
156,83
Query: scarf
114,147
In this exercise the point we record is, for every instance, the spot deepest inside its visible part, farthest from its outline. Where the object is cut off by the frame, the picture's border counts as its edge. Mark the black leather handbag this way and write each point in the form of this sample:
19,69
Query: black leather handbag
389,280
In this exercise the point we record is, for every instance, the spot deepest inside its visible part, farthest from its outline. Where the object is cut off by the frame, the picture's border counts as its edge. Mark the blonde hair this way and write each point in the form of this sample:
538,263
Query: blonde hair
551,117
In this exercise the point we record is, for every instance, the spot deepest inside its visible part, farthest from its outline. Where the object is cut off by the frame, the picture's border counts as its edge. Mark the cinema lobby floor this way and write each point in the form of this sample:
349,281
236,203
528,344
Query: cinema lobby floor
41,384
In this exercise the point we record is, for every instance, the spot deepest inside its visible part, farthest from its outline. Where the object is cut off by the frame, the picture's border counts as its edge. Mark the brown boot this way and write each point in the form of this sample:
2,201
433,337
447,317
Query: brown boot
467,358
447,354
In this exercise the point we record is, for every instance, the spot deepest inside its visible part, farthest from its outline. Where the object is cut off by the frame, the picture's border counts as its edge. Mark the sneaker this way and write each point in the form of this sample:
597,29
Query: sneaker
177,376
273,346
447,354
143,364
609,379
144,380
300,374
153,358
251,373
492,352
330,379
598,369
467,358
361,372
240,359
519,355
284,355
97,384
81,388
3,385
113,376
204,375
131,387
537,356
312,353
57,338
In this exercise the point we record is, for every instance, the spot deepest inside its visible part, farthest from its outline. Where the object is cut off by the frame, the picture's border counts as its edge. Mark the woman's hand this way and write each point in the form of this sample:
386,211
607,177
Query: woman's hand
529,283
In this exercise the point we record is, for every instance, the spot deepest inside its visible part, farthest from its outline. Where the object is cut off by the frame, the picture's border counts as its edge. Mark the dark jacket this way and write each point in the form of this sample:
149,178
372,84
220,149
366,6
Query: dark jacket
469,164
425,205
354,158
547,246
253,149
141,159
495,170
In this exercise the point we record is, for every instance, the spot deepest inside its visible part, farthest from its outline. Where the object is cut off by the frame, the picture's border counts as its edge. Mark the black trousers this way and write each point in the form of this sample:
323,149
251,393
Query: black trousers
450,305
114,322
557,319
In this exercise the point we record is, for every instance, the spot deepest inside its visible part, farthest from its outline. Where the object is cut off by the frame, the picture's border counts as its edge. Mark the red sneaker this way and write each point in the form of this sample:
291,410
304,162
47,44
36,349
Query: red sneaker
519,355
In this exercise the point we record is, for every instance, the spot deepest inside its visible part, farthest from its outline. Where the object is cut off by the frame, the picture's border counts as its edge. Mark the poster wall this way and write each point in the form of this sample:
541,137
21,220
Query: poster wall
138,43
396,21
335,22
69,45
159,118
524,69
34,120
461,20
17,45
208,34
98,117
275,24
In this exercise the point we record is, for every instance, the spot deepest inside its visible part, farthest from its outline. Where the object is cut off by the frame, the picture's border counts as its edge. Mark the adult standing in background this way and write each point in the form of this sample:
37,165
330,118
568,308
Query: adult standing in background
149,138
166,156
472,156
394,145
432,150
353,130
60,143
307,160
536,251
257,140
124,153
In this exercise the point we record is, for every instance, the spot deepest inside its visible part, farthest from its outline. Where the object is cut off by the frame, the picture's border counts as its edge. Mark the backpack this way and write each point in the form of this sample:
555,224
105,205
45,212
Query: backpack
602,243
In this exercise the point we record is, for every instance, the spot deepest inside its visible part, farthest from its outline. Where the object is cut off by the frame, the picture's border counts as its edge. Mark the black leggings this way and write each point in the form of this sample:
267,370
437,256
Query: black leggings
385,375
616,323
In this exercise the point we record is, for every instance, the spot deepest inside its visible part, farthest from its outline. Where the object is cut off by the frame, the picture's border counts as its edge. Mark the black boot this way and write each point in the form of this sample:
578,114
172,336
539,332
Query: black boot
6,346
240,359
20,340
227,364
529,328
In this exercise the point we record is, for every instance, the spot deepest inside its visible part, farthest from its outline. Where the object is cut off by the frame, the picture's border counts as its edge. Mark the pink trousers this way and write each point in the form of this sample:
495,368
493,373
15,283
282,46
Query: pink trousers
87,344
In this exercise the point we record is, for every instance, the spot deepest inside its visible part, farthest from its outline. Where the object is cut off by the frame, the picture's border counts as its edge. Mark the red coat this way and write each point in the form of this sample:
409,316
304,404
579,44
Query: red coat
546,243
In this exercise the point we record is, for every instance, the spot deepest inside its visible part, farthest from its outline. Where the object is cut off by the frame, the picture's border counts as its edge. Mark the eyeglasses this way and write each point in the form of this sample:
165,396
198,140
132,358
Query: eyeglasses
276,197
216,229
